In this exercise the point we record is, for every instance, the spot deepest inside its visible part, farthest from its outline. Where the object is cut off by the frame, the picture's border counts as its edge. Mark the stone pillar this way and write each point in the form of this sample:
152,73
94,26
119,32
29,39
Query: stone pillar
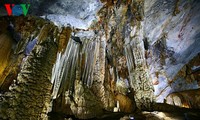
29,98
138,70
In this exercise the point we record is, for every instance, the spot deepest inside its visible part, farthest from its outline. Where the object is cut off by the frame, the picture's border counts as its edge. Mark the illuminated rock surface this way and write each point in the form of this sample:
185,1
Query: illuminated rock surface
28,97
85,58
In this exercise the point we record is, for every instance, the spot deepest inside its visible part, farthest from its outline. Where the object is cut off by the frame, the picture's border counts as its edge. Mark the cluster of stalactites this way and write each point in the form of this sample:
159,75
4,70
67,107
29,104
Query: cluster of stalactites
63,73
76,57
89,55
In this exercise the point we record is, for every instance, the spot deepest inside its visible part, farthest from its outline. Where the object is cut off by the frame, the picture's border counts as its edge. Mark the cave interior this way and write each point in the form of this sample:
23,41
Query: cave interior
100,59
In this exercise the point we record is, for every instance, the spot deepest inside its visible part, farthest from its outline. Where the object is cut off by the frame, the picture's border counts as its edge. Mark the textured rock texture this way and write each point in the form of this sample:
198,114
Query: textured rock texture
135,53
122,22
187,99
79,14
29,95
172,30
6,47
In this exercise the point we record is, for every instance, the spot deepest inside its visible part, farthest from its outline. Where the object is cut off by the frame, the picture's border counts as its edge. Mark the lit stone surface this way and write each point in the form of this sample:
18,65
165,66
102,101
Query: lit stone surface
96,56
174,40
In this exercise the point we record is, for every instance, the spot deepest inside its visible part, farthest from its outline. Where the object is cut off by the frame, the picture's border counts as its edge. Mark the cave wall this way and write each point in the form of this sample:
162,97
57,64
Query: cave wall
135,53
172,30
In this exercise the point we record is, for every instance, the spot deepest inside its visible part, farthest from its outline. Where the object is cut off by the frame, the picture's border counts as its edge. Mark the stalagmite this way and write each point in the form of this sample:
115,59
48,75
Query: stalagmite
29,96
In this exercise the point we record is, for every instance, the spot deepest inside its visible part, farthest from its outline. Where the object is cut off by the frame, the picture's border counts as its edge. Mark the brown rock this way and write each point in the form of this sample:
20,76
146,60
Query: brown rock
187,99
5,50
125,103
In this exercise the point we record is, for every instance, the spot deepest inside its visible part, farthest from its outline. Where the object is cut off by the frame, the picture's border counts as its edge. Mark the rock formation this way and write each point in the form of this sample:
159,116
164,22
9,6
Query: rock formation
133,55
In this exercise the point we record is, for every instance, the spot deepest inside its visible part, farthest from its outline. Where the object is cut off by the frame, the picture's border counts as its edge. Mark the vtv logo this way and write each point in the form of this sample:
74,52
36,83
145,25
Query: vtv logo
17,10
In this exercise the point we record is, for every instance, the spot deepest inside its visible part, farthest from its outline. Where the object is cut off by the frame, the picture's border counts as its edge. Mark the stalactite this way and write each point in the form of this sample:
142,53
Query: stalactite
91,52
99,83
64,69
130,63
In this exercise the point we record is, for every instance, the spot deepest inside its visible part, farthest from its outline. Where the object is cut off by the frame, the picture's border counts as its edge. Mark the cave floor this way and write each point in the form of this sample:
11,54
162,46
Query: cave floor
156,115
